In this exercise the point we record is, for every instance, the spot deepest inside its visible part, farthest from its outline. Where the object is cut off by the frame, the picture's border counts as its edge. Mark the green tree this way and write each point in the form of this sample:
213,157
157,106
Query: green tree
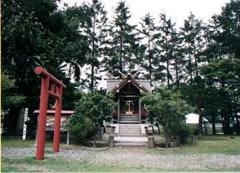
74,44
226,26
122,43
9,97
192,35
148,36
204,98
178,61
91,109
96,32
35,33
224,76
169,111
166,45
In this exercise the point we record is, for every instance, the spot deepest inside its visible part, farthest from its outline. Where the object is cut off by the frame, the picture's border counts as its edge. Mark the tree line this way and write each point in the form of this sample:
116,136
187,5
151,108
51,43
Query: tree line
200,60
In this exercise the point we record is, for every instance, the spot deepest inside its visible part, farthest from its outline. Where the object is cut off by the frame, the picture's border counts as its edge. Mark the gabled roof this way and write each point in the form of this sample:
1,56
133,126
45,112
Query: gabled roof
116,85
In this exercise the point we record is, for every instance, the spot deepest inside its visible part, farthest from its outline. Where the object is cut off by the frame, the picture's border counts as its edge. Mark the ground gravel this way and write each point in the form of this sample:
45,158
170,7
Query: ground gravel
135,157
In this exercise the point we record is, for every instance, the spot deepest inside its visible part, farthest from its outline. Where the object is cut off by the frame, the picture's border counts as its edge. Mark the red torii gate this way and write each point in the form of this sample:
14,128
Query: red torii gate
48,81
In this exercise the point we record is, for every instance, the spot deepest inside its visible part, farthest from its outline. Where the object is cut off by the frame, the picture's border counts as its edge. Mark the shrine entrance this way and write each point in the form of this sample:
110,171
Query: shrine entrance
127,94
129,105
50,87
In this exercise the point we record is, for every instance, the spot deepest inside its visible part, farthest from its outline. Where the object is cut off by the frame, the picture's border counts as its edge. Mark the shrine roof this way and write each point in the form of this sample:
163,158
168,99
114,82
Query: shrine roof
113,85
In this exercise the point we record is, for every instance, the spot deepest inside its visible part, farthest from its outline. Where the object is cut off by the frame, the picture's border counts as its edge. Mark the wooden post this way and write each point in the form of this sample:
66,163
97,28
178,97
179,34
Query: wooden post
24,124
68,137
140,118
111,140
57,123
118,109
42,119
150,142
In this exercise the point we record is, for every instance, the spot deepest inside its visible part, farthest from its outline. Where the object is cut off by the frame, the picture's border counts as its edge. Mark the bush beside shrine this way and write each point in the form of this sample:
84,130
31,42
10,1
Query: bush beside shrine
90,112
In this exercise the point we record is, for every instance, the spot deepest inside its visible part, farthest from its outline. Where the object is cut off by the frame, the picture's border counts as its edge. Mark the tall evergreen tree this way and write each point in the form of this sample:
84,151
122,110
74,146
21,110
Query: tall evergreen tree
166,45
177,58
192,34
225,32
96,33
122,42
148,45
74,44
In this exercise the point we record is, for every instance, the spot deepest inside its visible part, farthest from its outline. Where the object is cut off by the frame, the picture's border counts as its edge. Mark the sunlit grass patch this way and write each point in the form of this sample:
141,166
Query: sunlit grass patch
214,144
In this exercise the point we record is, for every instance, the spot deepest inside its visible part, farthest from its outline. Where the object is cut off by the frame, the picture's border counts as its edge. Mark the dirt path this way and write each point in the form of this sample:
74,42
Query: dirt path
136,157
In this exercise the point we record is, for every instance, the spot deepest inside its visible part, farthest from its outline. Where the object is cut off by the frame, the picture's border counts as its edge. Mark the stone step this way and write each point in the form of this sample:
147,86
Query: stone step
129,116
129,119
130,141
129,131
130,144
131,135
129,125
129,122
132,132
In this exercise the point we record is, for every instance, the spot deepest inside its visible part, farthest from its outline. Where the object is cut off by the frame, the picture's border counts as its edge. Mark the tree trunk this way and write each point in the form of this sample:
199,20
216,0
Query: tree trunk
190,64
205,129
121,54
92,78
159,132
213,129
166,138
177,77
95,141
168,74
200,128
149,60
196,59
93,53
190,71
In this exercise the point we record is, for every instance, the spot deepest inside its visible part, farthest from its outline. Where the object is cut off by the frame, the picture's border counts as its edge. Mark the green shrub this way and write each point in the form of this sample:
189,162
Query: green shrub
183,134
81,128
89,114
186,131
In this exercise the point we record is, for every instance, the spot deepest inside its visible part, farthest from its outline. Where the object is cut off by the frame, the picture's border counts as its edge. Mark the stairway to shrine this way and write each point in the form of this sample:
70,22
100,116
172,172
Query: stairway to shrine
129,130
129,119
130,135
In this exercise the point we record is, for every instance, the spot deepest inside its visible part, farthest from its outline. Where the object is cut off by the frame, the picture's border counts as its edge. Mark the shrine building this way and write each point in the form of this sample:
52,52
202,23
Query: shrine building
127,93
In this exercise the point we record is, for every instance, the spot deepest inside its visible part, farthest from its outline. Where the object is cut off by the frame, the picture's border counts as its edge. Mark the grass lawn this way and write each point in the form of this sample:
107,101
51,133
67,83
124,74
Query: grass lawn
18,143
210,144
204,144
29,164
214,144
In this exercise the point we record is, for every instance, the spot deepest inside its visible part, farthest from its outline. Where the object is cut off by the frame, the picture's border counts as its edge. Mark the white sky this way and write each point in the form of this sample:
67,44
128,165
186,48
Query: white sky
178,10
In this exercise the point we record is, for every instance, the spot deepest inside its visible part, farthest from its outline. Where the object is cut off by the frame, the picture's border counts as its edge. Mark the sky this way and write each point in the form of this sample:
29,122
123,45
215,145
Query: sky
177,10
